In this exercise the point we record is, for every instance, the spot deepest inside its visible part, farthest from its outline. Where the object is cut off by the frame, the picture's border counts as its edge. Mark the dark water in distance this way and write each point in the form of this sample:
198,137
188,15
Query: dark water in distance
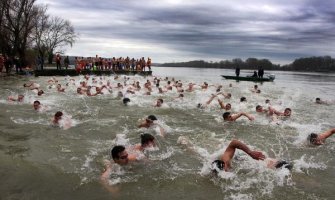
39,161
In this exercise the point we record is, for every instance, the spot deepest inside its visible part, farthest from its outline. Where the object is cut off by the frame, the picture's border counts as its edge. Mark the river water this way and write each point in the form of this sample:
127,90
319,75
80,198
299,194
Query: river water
39,161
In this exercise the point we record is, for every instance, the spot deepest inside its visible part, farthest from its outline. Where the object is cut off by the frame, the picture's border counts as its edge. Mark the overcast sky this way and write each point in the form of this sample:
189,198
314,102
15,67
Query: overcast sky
211,30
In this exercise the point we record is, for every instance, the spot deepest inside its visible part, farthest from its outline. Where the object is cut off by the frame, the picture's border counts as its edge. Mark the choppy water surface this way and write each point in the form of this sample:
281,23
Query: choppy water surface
39,161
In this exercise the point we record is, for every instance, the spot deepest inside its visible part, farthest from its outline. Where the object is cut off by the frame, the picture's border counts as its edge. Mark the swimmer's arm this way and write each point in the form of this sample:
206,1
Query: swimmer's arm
11,98
235,144
104,180
161,130
323,136
222,106
250,117
236,116
210,99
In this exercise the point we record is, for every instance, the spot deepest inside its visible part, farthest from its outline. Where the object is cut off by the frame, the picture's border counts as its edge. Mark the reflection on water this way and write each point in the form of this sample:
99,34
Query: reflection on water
39,161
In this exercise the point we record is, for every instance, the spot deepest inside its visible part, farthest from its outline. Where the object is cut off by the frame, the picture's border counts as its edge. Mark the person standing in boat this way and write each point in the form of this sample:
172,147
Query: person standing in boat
237,71
260,72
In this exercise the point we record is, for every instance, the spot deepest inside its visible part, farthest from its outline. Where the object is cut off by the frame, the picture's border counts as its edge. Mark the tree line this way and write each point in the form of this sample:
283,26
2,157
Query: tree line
321,63
28,31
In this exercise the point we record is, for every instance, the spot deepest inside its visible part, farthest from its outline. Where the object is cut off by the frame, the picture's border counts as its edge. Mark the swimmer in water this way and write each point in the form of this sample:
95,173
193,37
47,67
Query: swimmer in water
227,116
37,105
276,115
224,163
159,103
120,157
319,139
319,101
19,98
147,141
149,122
125,101
57,118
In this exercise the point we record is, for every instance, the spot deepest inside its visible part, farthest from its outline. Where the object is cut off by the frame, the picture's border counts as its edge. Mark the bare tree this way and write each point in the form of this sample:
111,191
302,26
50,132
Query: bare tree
53,33
18,25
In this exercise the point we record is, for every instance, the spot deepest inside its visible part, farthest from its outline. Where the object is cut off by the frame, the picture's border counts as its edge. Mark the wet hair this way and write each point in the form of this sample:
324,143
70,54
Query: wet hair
40,92
282,163
289,109
243,99
181,95
267,101
318,99
116,150
225,115
125,101
152,117
218,90
58,114
146,137
217,164
199,105
161,100
37,102
258,107
312,138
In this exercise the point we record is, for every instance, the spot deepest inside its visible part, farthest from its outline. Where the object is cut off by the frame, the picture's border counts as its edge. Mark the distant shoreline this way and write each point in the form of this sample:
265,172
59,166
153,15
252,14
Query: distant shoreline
289,70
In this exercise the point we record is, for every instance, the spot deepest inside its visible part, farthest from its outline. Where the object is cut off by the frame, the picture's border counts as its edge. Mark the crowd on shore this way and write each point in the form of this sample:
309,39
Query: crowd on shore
99,63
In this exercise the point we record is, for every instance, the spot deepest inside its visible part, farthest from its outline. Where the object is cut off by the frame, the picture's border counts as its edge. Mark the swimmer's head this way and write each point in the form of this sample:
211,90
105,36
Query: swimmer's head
151,118
159,102
228,95
199,105
217,165
267,101
313,139
37,105
228,106
287,112
119,154
147,140
243,99
58,115
40,92
284,164
259,108
20,97
126,101
317,100
226,115
120,94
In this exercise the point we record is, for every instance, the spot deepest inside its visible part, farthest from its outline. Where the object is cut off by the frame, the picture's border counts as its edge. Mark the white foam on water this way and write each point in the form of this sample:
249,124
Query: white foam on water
304,163
41,121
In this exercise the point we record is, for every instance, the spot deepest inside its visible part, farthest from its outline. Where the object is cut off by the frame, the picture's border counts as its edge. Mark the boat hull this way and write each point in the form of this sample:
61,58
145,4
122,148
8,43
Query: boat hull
254,79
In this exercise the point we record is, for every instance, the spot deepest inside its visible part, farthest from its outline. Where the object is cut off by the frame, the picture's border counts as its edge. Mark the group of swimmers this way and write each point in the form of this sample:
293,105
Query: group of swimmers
121,155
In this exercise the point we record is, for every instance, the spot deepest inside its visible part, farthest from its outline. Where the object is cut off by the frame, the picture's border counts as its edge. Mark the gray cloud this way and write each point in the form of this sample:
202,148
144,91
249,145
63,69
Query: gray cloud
277,30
